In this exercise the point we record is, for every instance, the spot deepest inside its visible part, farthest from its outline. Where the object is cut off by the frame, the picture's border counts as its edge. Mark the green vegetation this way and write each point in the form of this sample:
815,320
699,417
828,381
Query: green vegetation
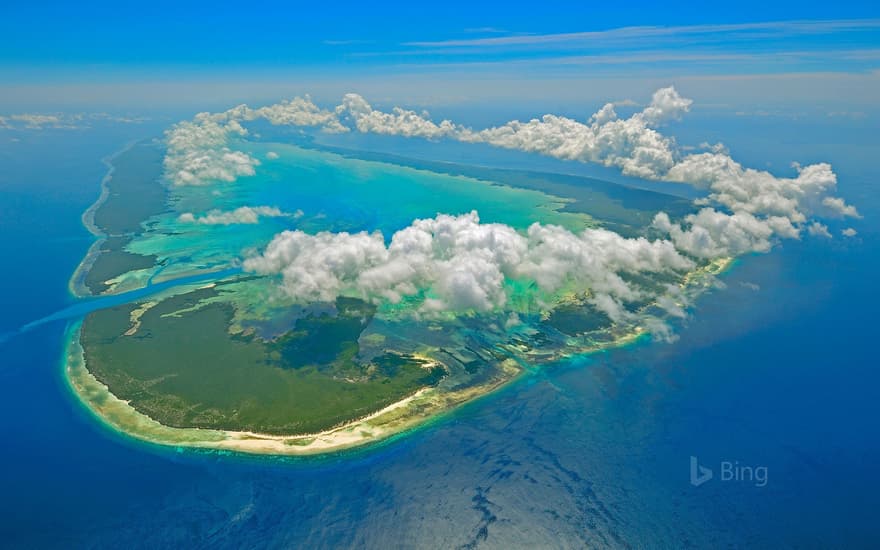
325,341
576,317
134,192
113,261
183,368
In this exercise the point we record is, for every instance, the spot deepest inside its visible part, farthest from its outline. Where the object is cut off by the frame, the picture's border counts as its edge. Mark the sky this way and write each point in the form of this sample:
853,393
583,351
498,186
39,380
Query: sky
161,54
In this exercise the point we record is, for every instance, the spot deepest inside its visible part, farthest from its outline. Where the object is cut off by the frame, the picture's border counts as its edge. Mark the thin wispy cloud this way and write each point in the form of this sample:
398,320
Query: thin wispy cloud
674,56
352,42
845,45
67,121
696,63
770,28
485,30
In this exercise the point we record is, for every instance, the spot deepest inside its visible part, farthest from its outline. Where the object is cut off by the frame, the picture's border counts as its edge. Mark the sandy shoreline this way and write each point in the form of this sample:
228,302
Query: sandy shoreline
403,415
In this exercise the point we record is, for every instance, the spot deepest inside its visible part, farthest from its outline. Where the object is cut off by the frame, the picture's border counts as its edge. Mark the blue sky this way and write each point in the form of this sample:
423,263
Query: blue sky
454,52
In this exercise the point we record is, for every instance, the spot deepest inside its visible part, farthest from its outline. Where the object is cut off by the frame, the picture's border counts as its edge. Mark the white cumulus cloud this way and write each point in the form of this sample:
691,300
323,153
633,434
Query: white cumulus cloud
464,264
199,151
631,144
712,234
399,122
817,229
241,215
299,111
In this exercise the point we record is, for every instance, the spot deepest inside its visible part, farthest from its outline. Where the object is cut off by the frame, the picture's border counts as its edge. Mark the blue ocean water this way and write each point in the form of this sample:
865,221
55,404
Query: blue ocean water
775,371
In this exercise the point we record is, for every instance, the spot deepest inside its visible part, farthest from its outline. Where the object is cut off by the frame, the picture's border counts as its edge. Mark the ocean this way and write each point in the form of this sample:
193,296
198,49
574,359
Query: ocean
772,385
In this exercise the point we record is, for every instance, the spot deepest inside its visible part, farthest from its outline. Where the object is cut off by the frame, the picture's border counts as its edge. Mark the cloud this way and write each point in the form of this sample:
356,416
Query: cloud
639,35
849,232
241,215
272,155
838,206
819,230
713,234
36,121
63,121
666,105
465,264
199,150
632,144
299,111
400,122
123,119
625,103
347,42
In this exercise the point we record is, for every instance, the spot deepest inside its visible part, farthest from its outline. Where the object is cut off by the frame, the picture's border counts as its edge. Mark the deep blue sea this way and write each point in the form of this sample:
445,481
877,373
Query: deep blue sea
778,371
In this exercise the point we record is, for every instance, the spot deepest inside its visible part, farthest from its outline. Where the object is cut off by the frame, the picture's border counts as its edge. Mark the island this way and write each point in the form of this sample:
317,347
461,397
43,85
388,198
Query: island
192,348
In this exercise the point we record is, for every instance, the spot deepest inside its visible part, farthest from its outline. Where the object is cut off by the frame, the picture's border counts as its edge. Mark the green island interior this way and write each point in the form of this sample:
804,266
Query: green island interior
183,368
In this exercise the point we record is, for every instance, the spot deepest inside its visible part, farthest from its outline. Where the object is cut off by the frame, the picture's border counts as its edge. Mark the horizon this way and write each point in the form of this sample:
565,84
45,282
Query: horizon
161,56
